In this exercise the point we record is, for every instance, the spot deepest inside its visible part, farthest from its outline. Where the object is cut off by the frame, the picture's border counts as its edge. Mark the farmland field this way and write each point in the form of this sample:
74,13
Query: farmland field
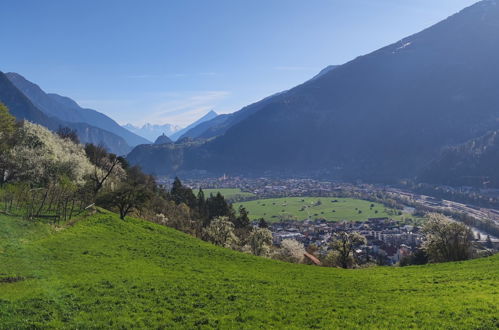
228,193
328,208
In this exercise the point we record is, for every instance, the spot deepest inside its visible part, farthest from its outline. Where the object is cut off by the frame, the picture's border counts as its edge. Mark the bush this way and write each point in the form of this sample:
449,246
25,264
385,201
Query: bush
290,251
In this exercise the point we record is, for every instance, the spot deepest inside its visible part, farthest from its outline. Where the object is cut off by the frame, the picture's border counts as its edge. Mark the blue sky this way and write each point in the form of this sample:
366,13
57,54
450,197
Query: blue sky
171,61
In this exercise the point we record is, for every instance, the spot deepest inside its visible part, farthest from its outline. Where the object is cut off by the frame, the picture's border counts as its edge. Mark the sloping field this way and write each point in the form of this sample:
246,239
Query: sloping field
104,272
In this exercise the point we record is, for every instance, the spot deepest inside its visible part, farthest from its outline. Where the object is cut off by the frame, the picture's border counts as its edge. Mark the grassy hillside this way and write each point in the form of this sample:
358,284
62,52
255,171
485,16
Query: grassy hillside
329,208
104,272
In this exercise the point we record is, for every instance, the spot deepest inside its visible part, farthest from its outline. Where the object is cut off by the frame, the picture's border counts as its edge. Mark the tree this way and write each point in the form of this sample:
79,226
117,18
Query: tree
312,249
178,217
343,246
201,203
446,240
260,241
221,232
242,221
182,194
7,128
419,257
105,165
41,157
68,133
291,251
262,223
218,207
132,193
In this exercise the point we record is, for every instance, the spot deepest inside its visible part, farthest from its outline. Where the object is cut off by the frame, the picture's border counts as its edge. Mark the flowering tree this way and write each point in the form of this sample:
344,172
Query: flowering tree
291,251
40,157
260,241
221,232
446,240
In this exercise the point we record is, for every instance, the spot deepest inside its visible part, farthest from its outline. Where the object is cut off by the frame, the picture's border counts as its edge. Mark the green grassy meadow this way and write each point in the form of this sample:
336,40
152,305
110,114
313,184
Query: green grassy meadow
329,208
107,273
228,193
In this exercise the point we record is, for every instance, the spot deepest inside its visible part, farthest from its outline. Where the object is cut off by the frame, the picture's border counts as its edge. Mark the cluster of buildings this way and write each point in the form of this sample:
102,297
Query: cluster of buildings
387,241
268,187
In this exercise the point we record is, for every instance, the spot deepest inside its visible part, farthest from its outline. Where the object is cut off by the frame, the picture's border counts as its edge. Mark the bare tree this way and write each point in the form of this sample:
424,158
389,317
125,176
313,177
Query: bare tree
131,194
105,164
69,134
344,245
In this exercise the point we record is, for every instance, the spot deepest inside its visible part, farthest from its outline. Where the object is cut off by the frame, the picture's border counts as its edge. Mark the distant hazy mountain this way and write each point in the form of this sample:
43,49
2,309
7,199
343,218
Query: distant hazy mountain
23,109
67,110
182,133
380,117
151,131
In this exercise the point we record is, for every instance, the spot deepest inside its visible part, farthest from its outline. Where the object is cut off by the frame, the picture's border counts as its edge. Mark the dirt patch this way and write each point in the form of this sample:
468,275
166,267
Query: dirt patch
11,279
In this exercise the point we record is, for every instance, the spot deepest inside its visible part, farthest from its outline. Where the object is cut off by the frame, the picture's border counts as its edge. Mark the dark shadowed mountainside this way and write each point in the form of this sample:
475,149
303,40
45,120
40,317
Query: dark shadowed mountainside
220,124
162,139
474,163
165,158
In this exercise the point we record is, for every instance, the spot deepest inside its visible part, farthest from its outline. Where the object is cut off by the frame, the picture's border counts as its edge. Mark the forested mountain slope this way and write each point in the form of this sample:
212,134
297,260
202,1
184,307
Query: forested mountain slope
474,163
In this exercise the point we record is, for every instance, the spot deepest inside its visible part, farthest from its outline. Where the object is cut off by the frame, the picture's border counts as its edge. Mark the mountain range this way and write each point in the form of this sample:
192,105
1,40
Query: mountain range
22,108
186,132
218,125
152,131
380,117
64,108
28,101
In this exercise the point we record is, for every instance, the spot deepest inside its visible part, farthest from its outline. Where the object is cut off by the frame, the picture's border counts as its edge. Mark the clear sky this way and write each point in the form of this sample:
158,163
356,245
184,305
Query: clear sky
170,61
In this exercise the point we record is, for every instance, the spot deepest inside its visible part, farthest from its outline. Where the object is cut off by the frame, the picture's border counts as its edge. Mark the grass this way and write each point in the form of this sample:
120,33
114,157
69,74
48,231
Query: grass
329,208
107,273
228,193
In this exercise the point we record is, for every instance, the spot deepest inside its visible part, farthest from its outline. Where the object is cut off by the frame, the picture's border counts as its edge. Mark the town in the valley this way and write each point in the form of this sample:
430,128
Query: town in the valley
388,240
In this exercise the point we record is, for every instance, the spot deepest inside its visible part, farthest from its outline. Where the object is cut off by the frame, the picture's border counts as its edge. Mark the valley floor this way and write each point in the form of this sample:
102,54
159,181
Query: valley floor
105,272
327,208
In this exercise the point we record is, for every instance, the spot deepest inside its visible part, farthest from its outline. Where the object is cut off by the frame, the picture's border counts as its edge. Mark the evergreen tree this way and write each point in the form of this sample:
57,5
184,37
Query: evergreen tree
218,207
182,194
201,202
262,223
242,221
